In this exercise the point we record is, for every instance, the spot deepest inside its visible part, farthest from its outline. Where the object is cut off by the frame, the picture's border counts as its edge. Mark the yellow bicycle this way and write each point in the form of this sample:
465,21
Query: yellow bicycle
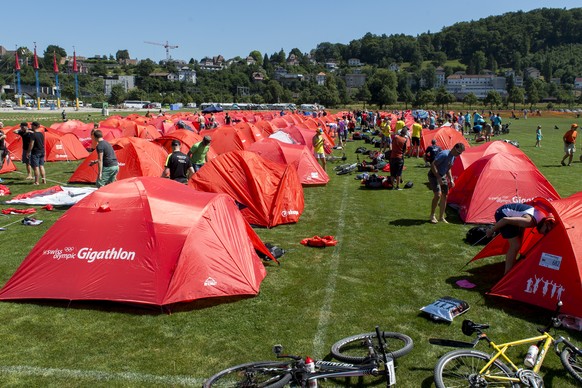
474,368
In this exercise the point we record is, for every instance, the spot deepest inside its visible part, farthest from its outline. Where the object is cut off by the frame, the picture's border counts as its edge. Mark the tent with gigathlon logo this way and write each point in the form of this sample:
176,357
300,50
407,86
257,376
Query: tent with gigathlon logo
143,240
550,266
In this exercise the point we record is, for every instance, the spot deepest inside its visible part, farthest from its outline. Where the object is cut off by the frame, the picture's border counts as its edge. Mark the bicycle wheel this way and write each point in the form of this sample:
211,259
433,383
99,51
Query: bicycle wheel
354,350
572,362
267,374
461,368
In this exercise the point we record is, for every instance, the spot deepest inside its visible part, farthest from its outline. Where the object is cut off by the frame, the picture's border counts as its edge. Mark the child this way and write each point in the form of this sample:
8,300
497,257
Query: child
539,136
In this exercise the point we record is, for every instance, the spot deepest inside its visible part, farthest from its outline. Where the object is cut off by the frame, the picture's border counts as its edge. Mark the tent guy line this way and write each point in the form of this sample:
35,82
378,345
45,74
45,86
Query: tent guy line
325,311
23,370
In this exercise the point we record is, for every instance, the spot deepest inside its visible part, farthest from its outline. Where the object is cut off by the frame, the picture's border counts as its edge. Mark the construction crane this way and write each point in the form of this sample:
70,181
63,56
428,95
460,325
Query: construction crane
167,46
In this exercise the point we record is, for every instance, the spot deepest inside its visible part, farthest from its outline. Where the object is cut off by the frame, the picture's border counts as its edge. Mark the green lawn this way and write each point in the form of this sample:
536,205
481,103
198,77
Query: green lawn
388,264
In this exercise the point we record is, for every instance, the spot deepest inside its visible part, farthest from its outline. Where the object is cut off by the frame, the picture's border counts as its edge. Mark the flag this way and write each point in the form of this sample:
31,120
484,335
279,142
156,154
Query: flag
35,63
75,69
16,61
55,66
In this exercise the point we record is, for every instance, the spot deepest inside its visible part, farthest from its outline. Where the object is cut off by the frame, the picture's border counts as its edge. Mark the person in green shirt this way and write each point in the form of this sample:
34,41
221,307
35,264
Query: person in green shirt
198,153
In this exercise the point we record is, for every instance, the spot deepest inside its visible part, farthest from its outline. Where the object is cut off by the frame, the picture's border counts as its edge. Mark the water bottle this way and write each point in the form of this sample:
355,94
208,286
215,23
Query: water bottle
531,356
310,364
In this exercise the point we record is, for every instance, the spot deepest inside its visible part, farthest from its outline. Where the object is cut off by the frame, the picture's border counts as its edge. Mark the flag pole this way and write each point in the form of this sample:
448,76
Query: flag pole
56,71
35,65
75,72
17,69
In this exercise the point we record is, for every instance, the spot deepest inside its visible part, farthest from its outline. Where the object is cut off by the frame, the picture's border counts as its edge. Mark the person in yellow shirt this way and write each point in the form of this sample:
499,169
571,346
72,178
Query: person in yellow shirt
399,125
318,150
386,143
415,140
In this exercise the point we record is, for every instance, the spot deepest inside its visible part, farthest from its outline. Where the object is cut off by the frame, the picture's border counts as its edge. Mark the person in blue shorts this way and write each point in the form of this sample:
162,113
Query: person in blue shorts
511,221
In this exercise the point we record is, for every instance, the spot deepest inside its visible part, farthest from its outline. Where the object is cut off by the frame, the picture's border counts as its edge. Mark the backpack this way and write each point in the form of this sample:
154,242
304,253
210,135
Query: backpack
478,235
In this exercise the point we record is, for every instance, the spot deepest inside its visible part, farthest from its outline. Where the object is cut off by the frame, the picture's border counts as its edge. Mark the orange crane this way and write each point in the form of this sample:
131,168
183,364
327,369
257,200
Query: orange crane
167,46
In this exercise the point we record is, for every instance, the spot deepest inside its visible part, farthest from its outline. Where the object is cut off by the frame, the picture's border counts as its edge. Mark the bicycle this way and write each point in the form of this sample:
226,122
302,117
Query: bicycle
480,369
360,355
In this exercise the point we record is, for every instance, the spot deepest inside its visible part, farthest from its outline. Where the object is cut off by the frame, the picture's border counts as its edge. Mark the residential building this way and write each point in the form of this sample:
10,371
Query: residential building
292,60
127,81
250,60
355,80
440,77
461,85
578,83
320,78
532,72
354,62
331,66
394,67
258,77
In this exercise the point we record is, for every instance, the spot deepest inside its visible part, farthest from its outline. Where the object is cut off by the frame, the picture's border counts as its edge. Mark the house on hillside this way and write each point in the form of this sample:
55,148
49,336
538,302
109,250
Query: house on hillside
127,81
355,80
517,79
320,78
480,84
212,64
250,60
532,72
292,60
578,83
354,62
440,77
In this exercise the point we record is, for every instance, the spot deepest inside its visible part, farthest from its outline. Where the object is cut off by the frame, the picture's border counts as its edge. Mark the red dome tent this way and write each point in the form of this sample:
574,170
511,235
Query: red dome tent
494,180
550,268
472,154
446,138
270,192
309,170
229,138
143,240
186,137
136,157
58,147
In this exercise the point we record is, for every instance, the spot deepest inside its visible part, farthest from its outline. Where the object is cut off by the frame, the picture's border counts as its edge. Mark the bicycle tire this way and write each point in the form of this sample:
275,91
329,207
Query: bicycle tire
263,374
572,363
462,366
352,349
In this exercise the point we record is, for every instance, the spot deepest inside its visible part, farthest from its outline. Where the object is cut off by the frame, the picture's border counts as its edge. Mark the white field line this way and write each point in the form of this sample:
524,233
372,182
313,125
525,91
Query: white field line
22,370
325,311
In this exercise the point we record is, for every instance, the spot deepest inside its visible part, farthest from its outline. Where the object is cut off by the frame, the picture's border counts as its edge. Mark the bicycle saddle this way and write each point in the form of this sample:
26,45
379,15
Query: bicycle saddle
469,327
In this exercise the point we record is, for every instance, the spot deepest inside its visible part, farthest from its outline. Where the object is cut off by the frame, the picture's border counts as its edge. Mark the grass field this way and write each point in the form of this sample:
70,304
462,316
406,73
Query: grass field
388,264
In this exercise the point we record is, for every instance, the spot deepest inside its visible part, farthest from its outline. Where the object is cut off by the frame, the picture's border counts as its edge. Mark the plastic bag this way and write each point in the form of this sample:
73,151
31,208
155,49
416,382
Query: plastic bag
446,308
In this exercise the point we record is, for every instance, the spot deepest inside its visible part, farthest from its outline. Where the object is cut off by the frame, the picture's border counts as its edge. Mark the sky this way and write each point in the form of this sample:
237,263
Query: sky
231,27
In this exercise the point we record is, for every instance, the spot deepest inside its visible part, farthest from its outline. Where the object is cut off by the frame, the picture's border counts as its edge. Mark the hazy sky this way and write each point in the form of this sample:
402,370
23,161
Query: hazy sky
231,27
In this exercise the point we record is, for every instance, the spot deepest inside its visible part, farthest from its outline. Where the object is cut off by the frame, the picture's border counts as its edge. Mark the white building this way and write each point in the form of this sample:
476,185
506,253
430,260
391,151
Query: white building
127,81
320,78
461,85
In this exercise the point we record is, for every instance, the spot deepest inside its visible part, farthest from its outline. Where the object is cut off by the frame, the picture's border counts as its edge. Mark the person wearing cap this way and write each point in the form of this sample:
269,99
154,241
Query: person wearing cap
107,164
25,133
511,221
570,144
198,153
36,153
178,165
318,149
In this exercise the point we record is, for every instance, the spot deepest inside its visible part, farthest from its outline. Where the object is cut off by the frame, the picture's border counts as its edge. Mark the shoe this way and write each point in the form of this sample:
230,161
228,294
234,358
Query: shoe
563,164
433,220
444,221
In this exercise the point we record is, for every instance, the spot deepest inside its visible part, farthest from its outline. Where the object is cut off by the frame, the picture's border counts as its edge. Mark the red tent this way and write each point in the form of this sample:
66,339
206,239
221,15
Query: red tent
58,147
8,166
186,137
494,180
229,138
446,138
149,240
550,268
269,192
309,170
472,154
136,157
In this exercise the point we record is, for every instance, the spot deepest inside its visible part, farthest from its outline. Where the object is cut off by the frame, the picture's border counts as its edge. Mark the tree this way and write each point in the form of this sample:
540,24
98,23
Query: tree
121,55
516,95
364,95
145,67
424,98
479,61
406,96
48,55
443,97
470,99
117,95
493,98
256,55
99,69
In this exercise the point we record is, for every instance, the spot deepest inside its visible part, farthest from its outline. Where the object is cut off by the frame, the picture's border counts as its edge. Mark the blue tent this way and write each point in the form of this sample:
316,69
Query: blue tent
212,109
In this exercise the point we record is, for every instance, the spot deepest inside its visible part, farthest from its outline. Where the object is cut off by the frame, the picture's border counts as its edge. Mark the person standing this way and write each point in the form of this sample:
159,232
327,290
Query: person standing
107,164
26,134
431,152
569,139
36,153
539,136
397,157
416,134
178,166
512,219
198,153
318,147
440,178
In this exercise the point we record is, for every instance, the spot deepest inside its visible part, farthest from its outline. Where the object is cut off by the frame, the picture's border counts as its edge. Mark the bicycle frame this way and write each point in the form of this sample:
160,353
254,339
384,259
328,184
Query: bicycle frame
501,349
